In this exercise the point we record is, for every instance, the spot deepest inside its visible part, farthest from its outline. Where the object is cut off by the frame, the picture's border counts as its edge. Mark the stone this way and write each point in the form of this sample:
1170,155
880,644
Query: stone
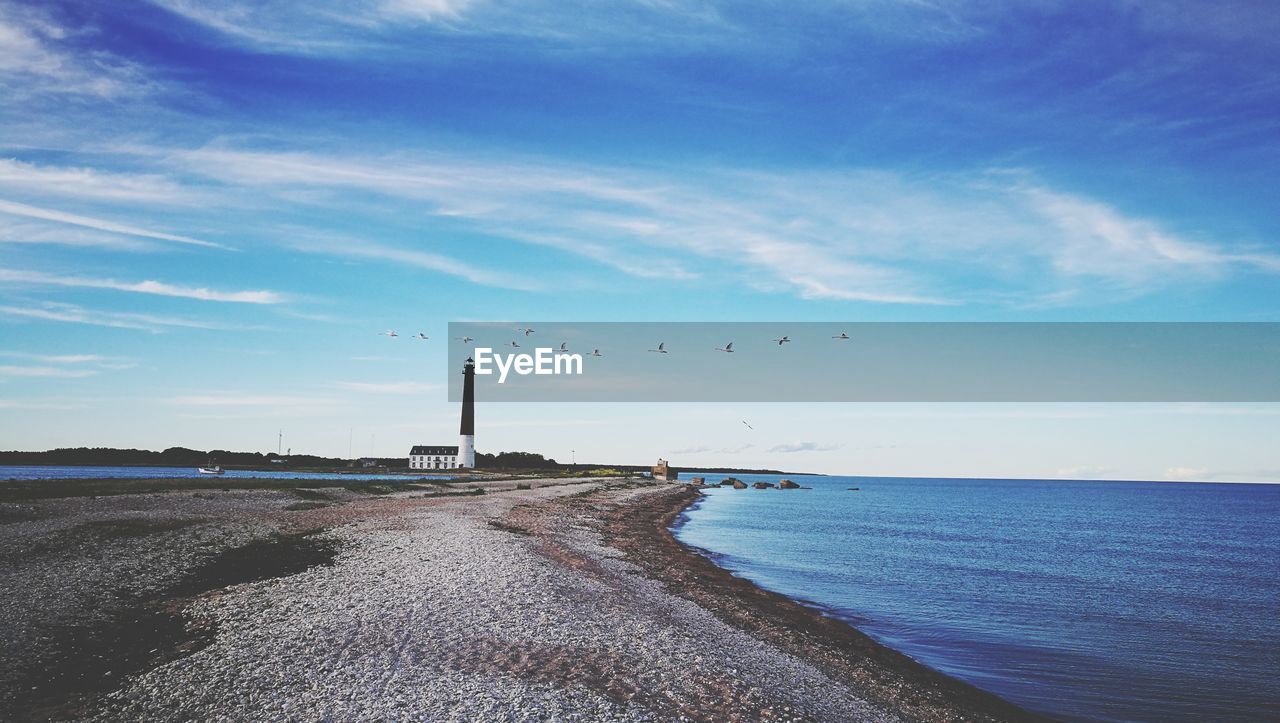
787,484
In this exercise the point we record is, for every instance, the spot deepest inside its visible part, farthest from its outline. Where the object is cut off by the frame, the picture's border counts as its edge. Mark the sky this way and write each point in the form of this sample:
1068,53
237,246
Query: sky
209,211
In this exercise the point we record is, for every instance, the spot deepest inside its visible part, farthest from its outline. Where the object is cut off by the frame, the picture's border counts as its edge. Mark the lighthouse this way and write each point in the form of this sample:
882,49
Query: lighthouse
467,430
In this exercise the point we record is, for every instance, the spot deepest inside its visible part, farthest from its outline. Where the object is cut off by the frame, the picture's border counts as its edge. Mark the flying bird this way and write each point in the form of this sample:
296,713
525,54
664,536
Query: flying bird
842,336
465,339
727,348
514,345
527,332
748,425
564,348
662,348
421,336
389,332
783,340
596,352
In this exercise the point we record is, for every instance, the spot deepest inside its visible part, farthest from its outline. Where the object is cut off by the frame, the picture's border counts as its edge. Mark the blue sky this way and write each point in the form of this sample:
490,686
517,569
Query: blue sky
209,210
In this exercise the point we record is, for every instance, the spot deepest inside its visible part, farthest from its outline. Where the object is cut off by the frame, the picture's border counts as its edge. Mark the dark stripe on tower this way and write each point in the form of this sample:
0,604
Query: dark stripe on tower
468,398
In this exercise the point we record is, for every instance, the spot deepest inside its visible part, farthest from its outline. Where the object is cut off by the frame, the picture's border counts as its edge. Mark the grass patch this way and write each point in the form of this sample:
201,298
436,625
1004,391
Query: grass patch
372,488
313,495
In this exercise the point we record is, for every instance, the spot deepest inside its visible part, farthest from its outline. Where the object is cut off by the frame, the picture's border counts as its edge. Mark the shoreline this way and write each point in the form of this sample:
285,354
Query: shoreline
568,601
889,677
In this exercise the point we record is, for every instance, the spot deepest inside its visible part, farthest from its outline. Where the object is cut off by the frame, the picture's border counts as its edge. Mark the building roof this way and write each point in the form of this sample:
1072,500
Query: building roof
433,451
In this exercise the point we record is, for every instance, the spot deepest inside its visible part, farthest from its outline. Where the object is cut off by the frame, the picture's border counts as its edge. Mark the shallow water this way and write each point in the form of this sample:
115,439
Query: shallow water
36,472
1083,600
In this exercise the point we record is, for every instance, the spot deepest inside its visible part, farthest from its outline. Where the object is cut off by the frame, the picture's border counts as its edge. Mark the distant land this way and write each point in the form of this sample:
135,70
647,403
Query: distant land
186,457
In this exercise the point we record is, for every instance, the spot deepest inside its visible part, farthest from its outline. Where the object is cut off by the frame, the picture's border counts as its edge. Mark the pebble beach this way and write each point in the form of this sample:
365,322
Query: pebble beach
559,600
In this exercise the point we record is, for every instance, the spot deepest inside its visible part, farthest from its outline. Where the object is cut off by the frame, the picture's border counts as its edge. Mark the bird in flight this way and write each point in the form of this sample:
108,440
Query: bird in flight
783,340
841,336
727,348
748,425
564,348
389,332
662,348
421,336
596,352
465,339
527,332
514,345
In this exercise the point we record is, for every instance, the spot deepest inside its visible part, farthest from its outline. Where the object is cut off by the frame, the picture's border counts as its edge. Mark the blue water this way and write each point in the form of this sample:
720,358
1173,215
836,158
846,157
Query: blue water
1094,601
34,472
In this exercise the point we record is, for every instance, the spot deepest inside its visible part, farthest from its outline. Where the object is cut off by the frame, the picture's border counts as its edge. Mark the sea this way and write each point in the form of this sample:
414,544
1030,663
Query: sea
37,472
1081,600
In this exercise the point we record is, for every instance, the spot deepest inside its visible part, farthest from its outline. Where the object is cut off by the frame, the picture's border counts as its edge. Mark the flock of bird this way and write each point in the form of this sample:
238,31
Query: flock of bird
564,346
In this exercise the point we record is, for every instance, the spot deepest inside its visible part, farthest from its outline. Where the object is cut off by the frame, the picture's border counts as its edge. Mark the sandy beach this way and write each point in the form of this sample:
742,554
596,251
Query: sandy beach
568,600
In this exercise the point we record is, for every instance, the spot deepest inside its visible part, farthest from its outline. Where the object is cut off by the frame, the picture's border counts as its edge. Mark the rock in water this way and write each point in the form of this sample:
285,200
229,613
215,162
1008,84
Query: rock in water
787,484
739,484
762,485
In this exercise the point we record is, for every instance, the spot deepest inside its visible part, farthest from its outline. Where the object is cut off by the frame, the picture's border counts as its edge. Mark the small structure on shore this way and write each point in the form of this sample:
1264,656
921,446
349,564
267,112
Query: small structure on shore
662,471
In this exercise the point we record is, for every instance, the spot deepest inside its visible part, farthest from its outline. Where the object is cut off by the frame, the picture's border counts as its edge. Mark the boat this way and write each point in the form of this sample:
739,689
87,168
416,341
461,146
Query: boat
214,469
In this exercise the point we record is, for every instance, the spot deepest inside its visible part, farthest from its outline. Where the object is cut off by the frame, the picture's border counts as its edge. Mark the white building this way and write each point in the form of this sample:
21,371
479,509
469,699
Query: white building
425,457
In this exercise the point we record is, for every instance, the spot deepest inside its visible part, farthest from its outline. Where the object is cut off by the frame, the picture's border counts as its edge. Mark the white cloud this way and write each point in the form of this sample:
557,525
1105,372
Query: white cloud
388,387
431,261
56,358
83,182
1186,473
857,235
22,209
42,371
803,447
36,57
36,404
241,399
158,288
71,313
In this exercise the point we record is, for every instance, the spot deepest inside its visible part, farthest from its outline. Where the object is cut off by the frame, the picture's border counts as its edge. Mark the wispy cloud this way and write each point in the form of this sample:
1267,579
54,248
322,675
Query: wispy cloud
44,371
97,361
802,447
243,399
37,404
71,313
38,57
858,235
92,183
21,209
1187,473
157,288
388,387
429,260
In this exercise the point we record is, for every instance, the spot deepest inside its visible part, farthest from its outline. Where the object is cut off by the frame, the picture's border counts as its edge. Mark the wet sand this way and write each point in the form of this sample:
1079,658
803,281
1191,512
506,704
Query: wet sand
567,601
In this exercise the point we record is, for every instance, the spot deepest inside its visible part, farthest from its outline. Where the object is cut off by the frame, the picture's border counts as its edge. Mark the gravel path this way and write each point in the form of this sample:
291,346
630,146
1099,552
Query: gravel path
441,610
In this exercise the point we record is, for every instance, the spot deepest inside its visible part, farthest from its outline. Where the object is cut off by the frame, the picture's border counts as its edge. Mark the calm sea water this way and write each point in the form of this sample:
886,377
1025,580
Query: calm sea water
31,472
1093,601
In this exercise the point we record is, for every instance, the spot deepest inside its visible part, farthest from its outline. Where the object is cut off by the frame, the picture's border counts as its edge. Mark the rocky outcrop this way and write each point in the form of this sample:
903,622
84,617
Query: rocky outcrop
739,484
787,484
763,485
